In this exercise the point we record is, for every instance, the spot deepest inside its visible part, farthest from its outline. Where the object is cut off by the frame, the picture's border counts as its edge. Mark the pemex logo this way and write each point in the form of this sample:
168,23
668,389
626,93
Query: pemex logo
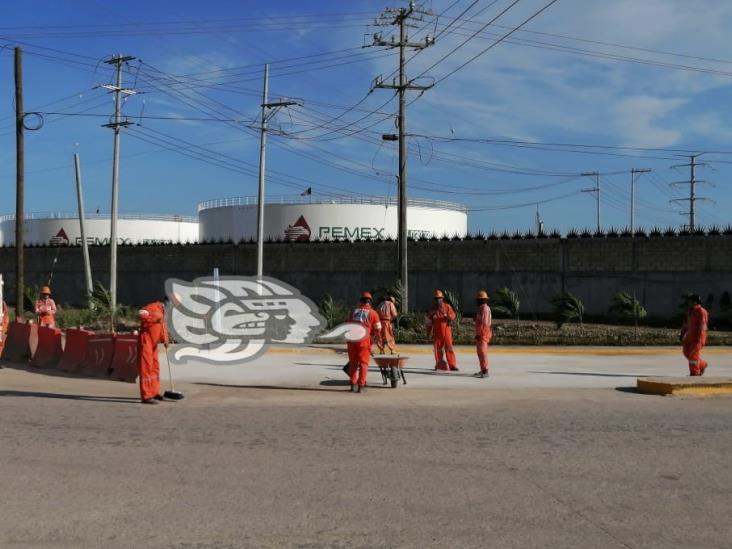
299,232
61,239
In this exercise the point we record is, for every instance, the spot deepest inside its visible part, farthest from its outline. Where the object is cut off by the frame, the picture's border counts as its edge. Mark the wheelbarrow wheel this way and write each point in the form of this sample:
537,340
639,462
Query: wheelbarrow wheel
394,376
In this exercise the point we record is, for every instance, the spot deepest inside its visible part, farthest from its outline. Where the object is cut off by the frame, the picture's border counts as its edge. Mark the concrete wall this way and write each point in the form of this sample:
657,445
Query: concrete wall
657,269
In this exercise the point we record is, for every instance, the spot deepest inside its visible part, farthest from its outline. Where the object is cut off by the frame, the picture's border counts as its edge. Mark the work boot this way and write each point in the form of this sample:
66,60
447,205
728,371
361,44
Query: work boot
158,397
150,401
354,388
702,370
481,374
454,369
361,389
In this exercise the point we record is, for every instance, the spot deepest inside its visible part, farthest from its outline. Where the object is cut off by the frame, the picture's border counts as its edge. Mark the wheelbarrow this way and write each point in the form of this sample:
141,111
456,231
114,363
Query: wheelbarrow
392,368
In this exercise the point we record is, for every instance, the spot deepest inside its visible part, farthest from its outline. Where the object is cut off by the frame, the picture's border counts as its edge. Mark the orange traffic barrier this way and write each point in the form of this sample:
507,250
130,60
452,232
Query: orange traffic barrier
48,350
74,350
124,361
17,344
99,352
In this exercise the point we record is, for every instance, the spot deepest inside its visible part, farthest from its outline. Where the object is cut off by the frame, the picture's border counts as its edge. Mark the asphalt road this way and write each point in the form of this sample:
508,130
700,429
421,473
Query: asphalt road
85,465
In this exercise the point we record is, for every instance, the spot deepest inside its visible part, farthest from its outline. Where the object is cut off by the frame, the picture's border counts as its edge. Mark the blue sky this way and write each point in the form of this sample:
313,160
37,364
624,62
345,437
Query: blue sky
640,75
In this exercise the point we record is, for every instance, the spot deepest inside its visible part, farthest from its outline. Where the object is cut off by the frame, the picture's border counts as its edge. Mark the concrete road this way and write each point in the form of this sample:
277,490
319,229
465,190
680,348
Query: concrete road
511,368
442,462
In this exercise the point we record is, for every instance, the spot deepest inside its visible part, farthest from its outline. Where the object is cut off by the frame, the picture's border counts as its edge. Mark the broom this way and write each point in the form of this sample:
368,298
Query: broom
172,394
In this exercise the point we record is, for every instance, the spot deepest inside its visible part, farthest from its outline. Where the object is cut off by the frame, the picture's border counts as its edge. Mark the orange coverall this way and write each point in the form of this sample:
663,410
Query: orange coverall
46,309
359,352
483,334
438,323
387,313
694,337
4,326
152,332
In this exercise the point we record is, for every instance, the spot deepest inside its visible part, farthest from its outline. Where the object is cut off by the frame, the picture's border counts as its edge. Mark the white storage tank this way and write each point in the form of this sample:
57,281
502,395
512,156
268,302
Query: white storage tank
317,218
63,229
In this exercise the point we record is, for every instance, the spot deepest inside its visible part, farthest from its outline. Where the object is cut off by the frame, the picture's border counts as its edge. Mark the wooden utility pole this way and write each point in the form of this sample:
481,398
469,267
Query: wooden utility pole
19,186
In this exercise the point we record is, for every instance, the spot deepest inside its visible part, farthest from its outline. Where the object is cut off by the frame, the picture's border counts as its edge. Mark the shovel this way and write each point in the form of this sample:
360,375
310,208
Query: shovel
172,394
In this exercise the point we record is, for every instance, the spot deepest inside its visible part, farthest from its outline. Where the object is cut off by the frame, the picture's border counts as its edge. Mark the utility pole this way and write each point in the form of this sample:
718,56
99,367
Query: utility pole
632,194
596,190
84,243
692,182
19,187
118,61
402,17
268,111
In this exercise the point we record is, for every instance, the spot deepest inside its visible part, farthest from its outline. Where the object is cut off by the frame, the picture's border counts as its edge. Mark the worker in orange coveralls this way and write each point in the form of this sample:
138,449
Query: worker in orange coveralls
694,335
46,308
387,313
483,331
359,352
152,332
439,327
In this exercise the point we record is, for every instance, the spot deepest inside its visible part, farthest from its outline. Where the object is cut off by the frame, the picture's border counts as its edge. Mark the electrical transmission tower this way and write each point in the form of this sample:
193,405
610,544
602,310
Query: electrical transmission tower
692,182
117,124
404,18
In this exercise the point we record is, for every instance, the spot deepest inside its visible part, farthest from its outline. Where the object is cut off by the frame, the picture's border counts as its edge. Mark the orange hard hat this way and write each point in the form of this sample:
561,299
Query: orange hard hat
366,295
438,294
482,295
46,290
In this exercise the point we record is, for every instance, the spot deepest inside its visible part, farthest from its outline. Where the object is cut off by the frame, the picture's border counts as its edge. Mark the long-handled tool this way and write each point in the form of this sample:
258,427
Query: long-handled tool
172,394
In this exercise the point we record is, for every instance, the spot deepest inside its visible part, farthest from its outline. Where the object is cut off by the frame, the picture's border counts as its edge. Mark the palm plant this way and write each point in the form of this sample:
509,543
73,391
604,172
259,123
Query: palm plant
506,302
627,306
567,308
452,299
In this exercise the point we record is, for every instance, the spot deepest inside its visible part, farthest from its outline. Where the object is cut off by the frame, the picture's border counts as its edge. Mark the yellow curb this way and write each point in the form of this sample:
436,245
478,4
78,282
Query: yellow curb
685,386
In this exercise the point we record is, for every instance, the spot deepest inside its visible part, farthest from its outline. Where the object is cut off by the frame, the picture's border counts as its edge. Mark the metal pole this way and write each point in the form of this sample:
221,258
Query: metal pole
84,244
262,160
115,192
632,201
692,196
403,234
19,187
633,173
597,186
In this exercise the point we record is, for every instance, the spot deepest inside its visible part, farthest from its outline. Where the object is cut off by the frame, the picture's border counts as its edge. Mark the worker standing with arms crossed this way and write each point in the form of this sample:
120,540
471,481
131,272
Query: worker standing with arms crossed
46,309
359,352
483,331
387,313
694,335
439,327
152,332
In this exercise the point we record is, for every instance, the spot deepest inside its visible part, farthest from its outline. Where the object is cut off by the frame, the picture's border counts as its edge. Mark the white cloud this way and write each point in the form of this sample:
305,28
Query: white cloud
643,120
